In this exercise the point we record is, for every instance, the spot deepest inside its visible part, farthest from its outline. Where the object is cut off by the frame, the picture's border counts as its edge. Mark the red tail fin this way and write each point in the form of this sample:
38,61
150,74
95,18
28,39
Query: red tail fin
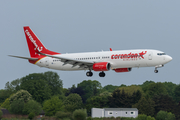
34,43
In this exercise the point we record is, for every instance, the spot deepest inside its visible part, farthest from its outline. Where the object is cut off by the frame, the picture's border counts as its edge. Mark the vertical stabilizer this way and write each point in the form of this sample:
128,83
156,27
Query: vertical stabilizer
35,44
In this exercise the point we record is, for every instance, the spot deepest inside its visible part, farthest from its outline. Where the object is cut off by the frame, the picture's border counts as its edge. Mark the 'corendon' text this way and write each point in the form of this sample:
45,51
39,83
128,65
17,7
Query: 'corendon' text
130,55
32,40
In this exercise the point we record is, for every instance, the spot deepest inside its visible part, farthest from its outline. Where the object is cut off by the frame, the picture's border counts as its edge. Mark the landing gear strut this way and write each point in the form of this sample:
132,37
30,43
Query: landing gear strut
102,74
89,74
159,66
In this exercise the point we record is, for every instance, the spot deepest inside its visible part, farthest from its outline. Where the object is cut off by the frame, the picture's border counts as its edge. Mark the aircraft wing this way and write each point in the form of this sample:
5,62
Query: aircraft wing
80,63
24,57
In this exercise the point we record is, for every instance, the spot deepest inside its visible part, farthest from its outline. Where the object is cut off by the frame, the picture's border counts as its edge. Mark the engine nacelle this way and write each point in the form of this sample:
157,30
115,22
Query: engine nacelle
122,69
101,66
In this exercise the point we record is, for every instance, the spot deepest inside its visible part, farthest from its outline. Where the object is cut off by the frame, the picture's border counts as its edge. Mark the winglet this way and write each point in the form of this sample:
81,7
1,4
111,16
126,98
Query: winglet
110,49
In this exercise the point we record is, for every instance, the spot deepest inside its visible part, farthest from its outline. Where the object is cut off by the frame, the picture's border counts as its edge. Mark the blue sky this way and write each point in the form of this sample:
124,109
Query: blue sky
70,26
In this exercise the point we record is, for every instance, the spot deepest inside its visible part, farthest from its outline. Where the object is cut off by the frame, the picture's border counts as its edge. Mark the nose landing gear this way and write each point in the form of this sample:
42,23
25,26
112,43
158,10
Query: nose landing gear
159,66
156,71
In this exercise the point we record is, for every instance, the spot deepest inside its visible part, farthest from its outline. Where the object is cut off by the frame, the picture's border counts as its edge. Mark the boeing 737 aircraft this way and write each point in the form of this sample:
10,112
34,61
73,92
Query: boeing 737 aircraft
119,61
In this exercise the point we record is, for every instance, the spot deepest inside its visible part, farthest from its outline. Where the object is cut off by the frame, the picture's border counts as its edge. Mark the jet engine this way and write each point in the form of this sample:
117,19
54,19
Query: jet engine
122,69
101,66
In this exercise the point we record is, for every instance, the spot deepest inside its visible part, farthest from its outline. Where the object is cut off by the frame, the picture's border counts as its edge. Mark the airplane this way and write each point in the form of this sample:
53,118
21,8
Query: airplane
119,61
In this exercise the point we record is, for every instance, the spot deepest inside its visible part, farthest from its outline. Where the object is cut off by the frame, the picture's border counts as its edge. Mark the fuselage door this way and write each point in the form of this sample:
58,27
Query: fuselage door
150,55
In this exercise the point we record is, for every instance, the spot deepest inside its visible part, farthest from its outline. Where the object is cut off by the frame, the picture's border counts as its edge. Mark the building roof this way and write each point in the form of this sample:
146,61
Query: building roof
120,109
5,111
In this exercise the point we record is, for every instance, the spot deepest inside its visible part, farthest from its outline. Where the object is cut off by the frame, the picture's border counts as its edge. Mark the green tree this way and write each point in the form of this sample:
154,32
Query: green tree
131,89
13,86
143,104
106,93
32,106
96,102
4,94
176,111
169,86
6,104
37,86
61,115
177,93
80,114
136,96
164,102
17,106
73,102
54,82
142,117
31,115
21,95
162,115
9,87
42,85
156,89
145,85
170,116
77,90
52,105
121,99
150,118
91,88
65,91
18,100
109,88
1,114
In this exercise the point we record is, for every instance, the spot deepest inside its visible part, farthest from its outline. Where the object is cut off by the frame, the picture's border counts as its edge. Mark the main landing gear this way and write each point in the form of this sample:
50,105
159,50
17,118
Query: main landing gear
90,74
102,74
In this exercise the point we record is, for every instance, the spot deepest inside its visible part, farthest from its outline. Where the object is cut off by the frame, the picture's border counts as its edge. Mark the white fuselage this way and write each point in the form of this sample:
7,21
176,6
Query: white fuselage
117,59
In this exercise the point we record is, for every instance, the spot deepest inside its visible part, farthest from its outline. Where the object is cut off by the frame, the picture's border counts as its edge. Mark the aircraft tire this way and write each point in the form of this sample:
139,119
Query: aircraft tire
102,74
89,74
156,71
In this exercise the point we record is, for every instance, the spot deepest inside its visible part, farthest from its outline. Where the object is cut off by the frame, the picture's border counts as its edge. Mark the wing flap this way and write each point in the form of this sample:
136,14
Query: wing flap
71,61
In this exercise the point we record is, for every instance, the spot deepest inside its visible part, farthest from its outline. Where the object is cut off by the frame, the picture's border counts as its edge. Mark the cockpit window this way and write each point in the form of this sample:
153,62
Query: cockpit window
161,53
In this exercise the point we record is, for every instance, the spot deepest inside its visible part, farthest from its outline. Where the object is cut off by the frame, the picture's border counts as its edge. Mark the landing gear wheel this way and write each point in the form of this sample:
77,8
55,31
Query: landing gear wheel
89,74
102,74
156,71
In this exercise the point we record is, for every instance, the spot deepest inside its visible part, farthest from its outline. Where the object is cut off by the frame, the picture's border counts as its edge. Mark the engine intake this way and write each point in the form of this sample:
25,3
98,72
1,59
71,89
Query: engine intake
101,66
122,69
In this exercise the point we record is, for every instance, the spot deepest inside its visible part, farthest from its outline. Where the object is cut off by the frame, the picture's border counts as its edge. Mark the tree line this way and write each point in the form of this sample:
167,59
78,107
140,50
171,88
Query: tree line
44,91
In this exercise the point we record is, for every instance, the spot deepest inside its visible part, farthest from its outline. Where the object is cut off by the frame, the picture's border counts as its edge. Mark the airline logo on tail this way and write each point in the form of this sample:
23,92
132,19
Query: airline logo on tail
33,41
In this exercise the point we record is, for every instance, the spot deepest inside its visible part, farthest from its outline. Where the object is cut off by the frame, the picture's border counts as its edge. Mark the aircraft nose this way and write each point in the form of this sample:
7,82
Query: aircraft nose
168,58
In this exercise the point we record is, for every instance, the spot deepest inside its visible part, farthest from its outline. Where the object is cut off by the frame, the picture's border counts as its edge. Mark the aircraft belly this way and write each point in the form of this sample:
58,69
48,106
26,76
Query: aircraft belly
123,64
69,67
127,63
155,61
59,66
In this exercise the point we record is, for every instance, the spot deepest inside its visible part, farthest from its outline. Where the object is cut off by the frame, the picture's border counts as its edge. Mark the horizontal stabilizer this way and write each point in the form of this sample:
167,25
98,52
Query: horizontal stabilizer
24,57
